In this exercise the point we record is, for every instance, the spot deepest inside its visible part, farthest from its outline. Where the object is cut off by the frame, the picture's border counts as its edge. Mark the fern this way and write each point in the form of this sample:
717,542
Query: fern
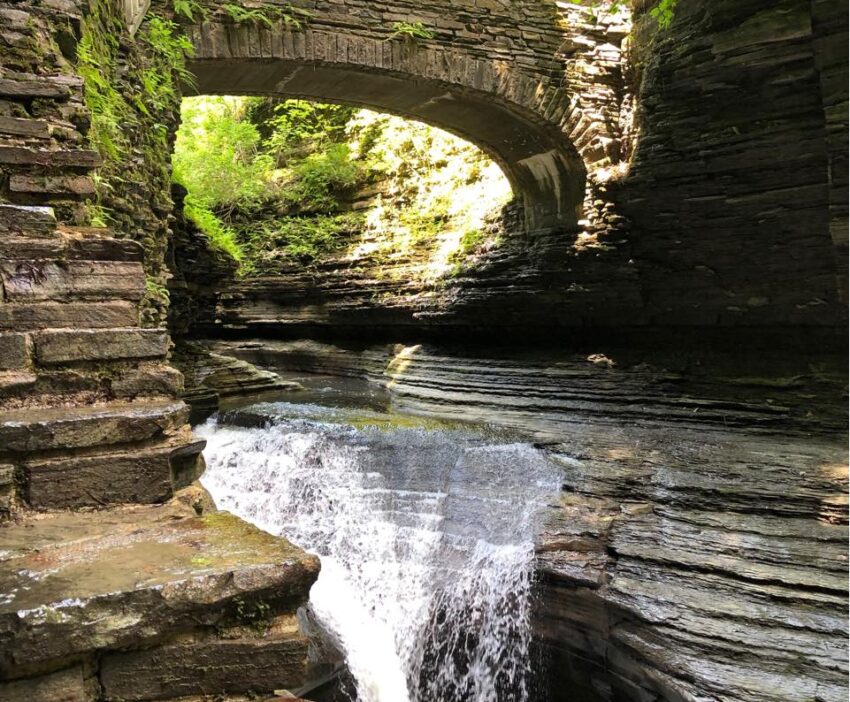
292,17
411,31
187,9
663,13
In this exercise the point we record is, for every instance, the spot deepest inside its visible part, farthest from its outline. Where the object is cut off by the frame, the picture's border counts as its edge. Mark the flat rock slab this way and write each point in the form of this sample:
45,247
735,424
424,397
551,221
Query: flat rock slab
258,662
68,315
94,425
61,280
75,583
27,219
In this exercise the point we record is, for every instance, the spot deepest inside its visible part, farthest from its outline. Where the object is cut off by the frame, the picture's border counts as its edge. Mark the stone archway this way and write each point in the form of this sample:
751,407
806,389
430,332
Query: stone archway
519,117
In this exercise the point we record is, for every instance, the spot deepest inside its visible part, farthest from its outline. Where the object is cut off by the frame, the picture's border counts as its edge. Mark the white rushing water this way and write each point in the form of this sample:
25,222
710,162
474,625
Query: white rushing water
425,538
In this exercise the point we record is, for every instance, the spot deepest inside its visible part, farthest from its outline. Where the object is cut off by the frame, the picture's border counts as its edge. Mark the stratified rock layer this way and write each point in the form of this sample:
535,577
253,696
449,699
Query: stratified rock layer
699,547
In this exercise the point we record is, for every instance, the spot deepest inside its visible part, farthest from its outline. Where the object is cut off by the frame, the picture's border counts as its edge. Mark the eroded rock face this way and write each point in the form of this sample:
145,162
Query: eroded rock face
688,564
699,546
212,377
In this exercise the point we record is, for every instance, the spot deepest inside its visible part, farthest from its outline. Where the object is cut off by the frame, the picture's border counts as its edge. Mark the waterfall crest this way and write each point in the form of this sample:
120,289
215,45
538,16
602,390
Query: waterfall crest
426,537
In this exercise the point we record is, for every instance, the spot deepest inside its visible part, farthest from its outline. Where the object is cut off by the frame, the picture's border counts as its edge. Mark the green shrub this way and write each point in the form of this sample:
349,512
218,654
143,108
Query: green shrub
273,243
218,156
319,180
297,127
220,236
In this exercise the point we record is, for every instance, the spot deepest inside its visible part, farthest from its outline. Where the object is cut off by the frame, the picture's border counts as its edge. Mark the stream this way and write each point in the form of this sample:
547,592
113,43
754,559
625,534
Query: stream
425,532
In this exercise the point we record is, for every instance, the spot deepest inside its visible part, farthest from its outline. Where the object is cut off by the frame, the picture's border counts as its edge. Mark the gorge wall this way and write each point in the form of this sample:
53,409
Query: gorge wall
118,578
714,152
723,204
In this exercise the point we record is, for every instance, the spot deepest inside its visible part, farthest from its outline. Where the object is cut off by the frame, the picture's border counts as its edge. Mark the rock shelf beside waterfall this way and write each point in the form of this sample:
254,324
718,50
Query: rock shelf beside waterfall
136,598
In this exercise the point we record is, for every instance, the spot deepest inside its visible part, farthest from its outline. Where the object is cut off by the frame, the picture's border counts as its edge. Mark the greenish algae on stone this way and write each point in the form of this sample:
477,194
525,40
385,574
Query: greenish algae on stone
79,582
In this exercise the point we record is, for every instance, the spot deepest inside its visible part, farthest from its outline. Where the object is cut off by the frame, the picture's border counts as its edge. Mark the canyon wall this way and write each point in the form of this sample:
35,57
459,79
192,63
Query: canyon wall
716,181
732,213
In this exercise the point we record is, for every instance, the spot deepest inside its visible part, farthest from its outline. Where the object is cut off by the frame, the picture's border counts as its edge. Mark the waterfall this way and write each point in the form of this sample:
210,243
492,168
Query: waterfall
426,537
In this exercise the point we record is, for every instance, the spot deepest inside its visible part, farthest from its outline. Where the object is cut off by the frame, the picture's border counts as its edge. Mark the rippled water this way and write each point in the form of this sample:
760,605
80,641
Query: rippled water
425,533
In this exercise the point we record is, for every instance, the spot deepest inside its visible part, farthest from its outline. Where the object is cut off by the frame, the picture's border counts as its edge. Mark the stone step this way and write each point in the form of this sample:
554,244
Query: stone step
55,346
79,585
231,666
68,185
97,244
36,280
75,245
30,281
15,351
33,86
31,128
29,430
32,221
70,315
146,475
60,158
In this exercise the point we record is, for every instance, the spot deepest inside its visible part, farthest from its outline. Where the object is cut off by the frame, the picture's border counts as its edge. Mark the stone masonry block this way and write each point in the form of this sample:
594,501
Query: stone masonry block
67,346
30,281
30,221
15,351
52,185
239,666
46,315
138,477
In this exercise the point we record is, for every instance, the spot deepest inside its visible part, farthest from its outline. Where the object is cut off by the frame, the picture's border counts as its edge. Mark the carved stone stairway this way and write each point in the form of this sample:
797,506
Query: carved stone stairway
118,578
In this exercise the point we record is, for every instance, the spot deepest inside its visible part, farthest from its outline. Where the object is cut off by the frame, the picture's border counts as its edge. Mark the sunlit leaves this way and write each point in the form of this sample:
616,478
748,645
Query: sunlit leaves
411,31
663,12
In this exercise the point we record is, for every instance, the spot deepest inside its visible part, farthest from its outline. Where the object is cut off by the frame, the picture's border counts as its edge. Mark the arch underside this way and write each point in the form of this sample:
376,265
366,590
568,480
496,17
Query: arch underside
546,172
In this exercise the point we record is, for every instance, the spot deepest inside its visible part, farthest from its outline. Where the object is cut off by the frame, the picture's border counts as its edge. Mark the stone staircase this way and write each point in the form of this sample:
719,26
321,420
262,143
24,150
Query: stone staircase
118,578
131,597
91,417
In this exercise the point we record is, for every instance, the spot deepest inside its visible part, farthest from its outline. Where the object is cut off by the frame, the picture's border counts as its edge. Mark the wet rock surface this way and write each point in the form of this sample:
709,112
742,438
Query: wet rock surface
138,577
212,377
699,546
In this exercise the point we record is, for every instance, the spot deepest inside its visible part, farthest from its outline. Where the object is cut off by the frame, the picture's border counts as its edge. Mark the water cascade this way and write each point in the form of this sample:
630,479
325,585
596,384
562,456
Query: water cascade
425,533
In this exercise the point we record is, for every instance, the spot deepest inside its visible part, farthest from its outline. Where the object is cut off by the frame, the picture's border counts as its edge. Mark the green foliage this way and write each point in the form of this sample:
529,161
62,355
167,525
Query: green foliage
159,81
423,225
296,127
155,289
292,17
97,55
471,240
663,12
275,242
411,31
319,180
220,236
218,156
189,9
268,182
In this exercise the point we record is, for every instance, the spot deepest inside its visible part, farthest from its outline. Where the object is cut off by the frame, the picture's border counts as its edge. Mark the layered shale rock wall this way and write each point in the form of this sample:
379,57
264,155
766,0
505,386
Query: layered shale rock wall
698,550
714,155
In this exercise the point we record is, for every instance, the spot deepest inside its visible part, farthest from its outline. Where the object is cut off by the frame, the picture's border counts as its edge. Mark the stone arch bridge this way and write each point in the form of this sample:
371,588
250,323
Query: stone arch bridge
493,73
